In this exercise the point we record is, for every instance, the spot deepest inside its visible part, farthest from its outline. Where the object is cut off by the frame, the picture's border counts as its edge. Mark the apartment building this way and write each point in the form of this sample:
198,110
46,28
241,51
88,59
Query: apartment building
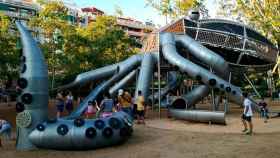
19,9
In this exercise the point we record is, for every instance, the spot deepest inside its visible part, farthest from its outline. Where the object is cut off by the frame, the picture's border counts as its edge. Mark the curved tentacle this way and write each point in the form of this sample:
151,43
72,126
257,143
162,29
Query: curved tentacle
113,90
215,61
208,78
33,128
92,96
82,134
34,84
121,70
105,72
145,75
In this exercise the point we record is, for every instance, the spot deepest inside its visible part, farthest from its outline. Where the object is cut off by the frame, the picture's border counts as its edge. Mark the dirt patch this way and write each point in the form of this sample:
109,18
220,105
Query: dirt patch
184,139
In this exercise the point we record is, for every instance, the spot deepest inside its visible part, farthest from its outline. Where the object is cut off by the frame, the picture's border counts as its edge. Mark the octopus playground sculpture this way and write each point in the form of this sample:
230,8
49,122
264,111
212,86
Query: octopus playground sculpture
34,129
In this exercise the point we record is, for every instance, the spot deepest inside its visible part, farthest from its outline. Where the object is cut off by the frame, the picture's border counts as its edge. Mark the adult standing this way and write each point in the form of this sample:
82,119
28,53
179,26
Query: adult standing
247,115
59,104
140,101
125,101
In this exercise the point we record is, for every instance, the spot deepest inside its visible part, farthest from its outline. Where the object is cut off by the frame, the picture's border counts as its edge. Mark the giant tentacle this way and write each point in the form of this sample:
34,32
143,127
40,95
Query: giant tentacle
122,69
82,134
215,61
105,72
60,134
105,86
113,90
145,75
83,105
34,84
195,71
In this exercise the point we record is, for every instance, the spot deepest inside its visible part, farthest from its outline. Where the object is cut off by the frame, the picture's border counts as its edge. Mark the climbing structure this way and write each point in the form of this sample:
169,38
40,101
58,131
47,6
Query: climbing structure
208,51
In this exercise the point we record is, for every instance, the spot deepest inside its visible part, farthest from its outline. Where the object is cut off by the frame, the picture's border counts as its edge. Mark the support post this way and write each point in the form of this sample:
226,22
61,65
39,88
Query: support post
251,84
212,95
159,86
153,99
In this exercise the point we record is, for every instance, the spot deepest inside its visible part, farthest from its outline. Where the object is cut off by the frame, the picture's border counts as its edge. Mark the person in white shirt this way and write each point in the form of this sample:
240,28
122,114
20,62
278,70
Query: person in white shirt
247,115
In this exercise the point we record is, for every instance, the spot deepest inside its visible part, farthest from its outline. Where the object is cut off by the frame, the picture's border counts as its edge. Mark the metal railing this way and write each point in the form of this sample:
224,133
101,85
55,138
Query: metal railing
17,15
233,41
21,4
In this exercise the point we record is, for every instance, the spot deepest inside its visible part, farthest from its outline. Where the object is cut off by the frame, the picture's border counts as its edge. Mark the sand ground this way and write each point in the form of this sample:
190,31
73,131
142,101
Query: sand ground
164,138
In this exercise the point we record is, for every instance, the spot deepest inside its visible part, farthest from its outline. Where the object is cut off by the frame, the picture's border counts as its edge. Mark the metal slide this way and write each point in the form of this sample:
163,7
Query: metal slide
195,71
215,61
125,68
83,105
145,75
122,83
117,70
105,72
199,116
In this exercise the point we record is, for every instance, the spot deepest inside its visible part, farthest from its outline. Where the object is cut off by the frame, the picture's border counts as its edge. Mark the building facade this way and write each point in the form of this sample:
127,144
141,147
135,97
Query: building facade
19,9
92,13
25,9
134,28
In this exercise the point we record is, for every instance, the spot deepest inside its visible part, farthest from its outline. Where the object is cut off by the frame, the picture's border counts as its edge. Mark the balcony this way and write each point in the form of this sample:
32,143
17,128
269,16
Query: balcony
133,24
17,15
20,4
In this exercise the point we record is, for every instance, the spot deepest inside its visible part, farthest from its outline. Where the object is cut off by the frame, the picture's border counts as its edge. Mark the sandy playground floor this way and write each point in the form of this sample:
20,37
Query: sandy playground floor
164,138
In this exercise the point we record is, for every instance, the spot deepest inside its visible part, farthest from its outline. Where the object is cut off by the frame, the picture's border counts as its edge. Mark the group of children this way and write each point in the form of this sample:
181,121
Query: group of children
60,102
124,102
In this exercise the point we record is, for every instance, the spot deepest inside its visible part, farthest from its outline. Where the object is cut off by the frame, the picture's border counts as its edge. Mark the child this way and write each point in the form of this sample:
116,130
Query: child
264,110
69,102
91,110
59,104
5,130
106,106
140,101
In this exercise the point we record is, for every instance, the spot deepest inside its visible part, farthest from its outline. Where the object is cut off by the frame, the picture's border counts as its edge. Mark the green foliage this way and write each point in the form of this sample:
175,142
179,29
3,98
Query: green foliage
118,11
8,55
80,49
263,15
175,8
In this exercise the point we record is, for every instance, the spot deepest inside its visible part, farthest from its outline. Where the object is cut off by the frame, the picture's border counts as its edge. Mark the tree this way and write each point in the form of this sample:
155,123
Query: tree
118,11
79,49
9,56
263,15
109,41
175,8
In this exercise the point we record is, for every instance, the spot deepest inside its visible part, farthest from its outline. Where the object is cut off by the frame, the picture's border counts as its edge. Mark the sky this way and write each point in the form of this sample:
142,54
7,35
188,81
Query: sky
136,9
